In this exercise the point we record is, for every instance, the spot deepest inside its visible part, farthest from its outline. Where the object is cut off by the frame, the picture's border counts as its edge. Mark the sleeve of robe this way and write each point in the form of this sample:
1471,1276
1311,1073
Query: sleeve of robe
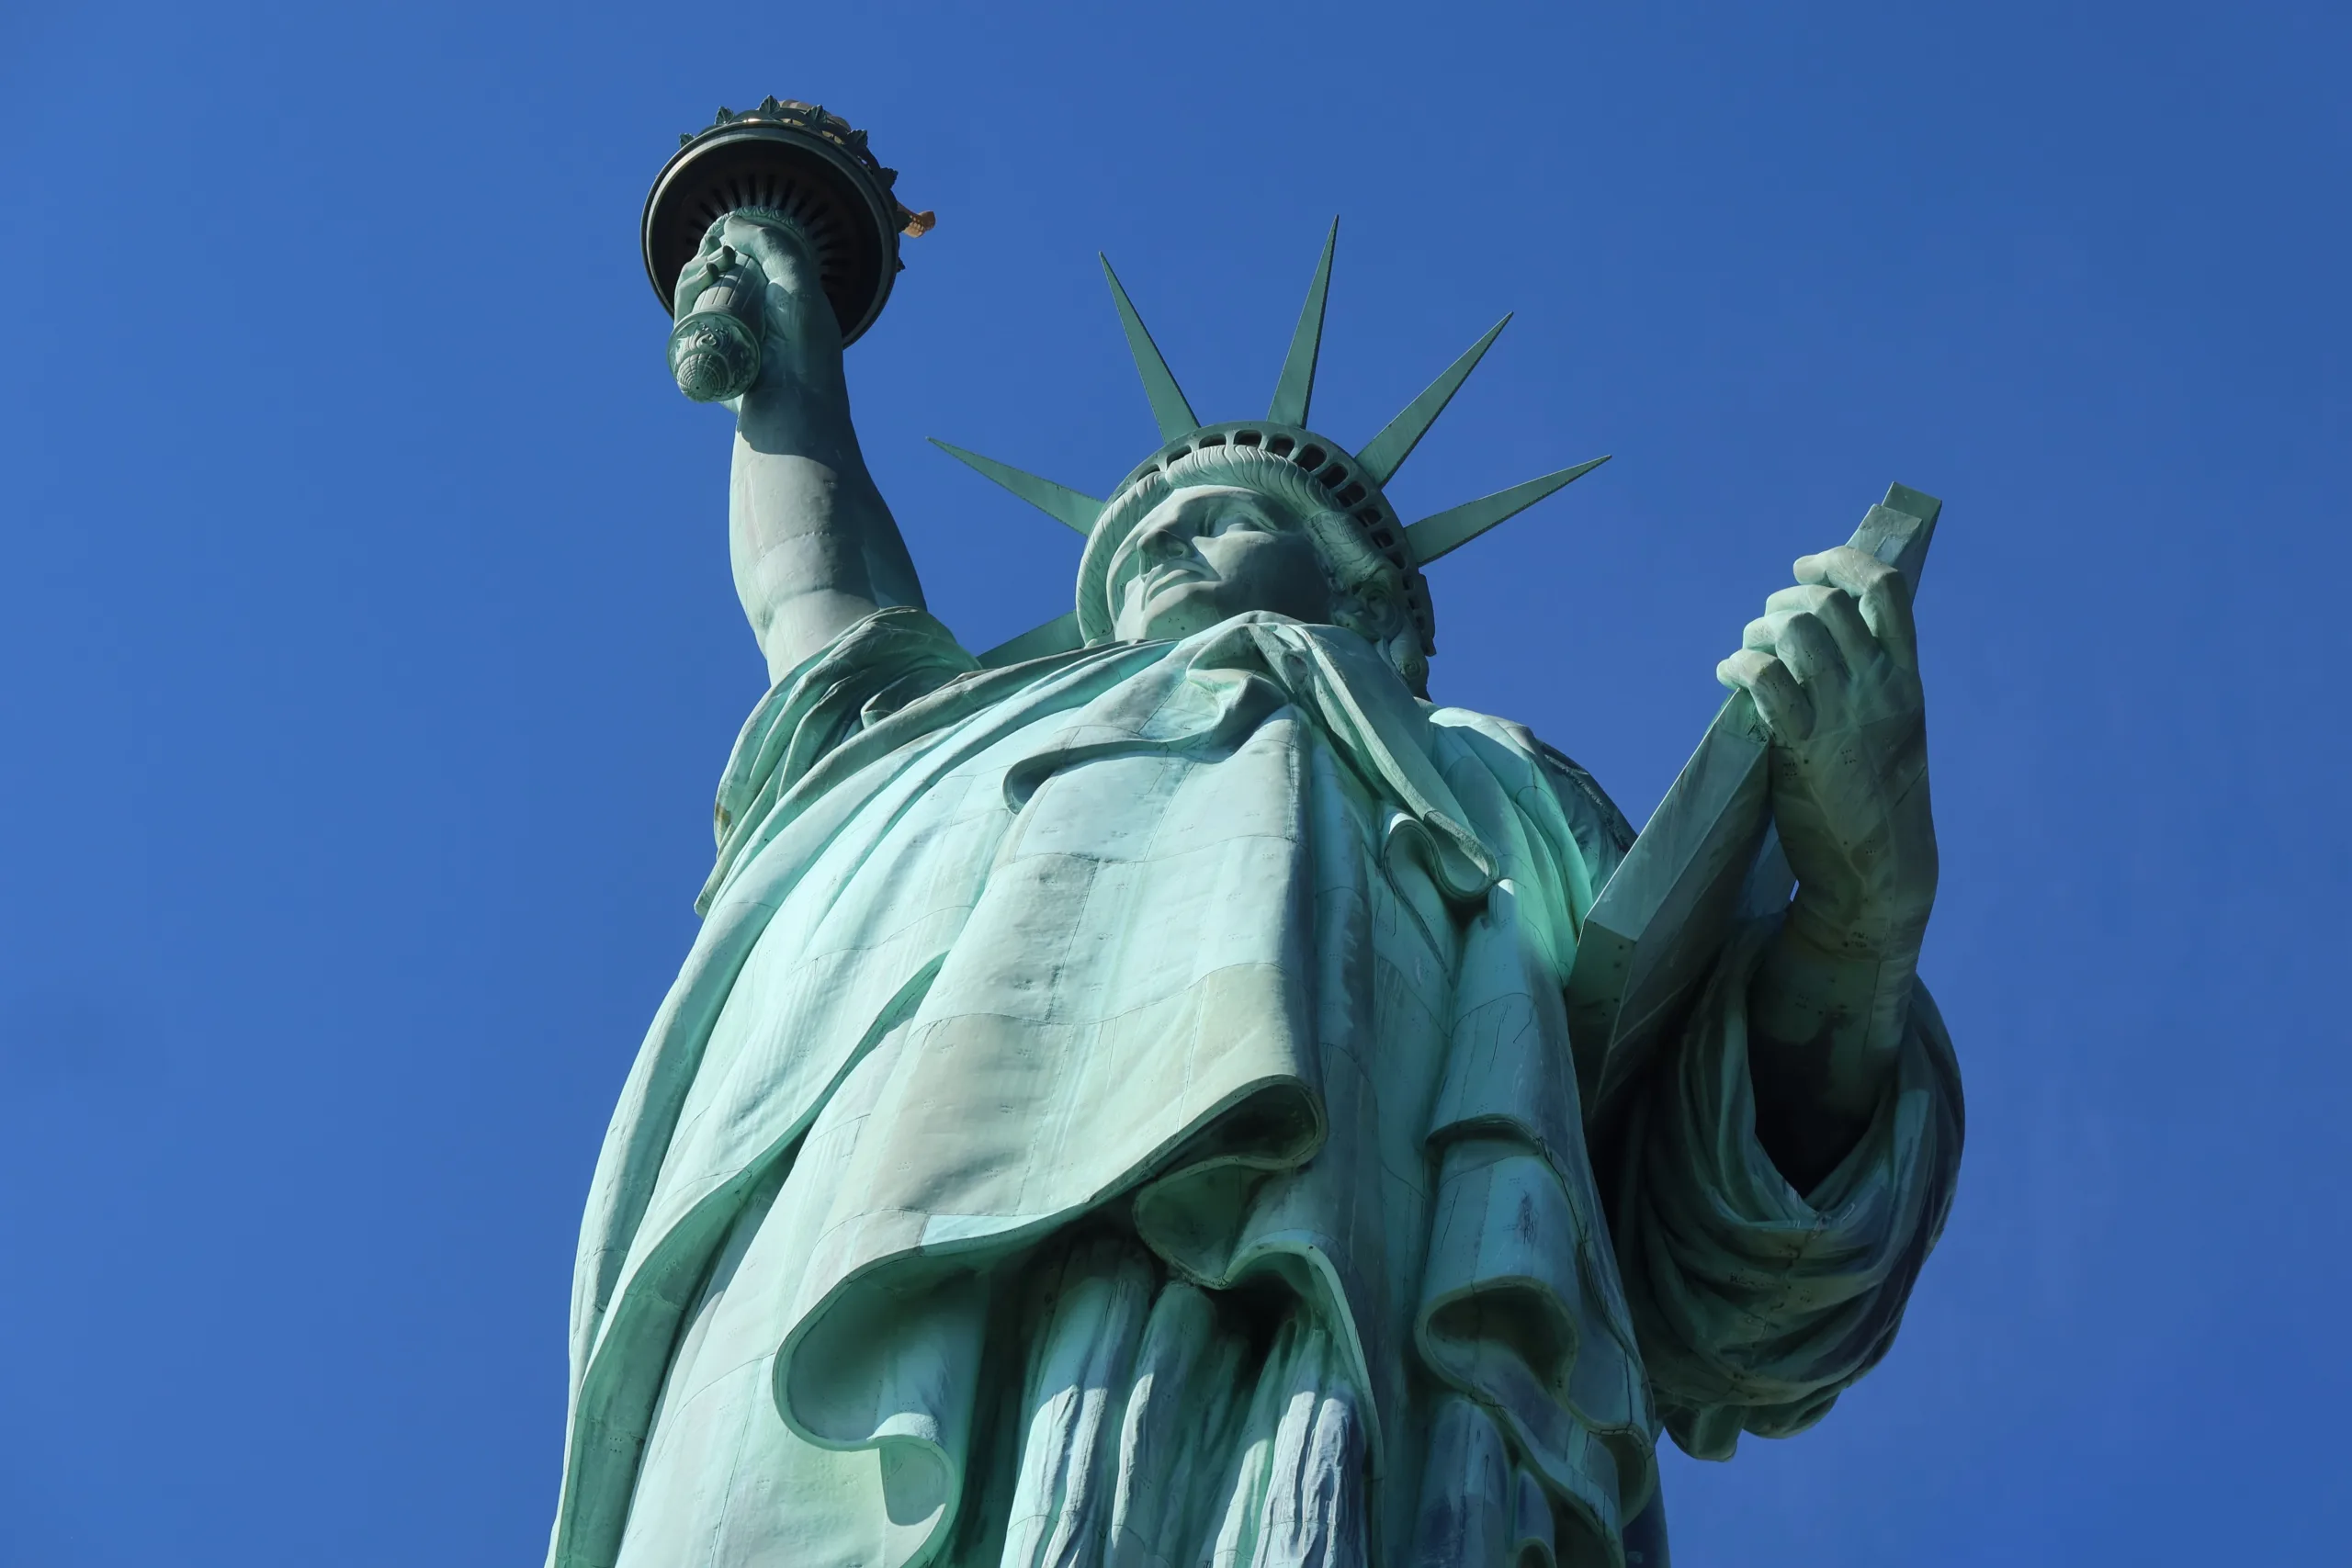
888,659
1756,1304
872,670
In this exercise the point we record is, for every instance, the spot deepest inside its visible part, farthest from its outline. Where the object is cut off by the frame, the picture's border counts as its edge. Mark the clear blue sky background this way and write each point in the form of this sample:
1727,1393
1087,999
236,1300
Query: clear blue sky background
367,655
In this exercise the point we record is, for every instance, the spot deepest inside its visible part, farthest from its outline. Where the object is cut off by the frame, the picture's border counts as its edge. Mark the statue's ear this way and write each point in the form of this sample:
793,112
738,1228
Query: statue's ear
1374,611
1383,606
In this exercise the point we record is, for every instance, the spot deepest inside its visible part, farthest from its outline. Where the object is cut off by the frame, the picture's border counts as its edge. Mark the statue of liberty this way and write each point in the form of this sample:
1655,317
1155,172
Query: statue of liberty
1124,1105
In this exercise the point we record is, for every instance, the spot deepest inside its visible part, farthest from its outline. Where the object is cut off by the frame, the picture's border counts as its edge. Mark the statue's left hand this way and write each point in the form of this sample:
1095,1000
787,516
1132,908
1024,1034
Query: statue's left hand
1833,670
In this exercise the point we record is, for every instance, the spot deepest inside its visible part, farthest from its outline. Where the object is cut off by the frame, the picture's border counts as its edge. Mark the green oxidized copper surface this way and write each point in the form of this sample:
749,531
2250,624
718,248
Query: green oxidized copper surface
1353,482
797,162
1162,1091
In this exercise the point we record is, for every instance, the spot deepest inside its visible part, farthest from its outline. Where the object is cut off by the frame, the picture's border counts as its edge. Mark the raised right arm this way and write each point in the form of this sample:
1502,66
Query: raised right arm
813,545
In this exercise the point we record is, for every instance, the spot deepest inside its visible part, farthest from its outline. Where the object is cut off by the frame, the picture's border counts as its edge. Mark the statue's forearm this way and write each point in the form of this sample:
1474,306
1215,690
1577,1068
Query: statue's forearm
1830,1003
814,546
1823,1030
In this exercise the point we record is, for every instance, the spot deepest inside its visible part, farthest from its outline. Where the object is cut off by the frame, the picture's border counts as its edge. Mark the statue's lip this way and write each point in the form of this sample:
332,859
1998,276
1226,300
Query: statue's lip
1167,573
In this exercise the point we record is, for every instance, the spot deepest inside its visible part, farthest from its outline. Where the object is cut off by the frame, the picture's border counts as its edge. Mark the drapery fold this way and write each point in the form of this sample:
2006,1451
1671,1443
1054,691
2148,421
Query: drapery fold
1756,1304
1230,945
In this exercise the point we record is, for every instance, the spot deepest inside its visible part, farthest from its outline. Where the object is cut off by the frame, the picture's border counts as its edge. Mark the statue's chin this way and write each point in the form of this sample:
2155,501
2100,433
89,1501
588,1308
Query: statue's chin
1180,609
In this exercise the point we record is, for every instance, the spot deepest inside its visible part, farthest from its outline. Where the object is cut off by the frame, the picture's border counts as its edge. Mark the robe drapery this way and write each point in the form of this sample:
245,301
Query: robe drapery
1119,1109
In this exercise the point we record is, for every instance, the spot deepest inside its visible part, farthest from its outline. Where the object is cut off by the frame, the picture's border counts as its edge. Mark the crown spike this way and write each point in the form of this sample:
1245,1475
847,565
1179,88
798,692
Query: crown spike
1064,505
1457,526
1168,404
1296,388
1386,453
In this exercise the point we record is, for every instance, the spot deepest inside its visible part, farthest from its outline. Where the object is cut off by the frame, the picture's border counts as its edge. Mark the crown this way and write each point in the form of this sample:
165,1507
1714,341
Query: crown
1353,480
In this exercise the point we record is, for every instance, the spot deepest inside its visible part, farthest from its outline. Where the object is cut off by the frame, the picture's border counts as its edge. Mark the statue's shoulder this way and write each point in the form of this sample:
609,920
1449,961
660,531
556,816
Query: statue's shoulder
1587,791
1522,759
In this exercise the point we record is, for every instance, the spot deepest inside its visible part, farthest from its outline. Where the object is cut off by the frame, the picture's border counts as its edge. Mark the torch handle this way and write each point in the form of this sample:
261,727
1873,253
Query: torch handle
715,348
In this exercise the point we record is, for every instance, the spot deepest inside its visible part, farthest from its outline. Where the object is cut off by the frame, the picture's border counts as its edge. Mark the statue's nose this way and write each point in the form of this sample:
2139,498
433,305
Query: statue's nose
1162,539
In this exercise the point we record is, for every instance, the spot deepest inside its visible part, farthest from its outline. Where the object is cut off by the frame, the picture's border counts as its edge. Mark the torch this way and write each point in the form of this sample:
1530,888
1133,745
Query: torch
784,158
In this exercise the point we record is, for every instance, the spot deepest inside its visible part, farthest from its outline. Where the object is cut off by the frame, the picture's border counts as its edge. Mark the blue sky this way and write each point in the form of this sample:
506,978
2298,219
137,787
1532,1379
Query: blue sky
368,655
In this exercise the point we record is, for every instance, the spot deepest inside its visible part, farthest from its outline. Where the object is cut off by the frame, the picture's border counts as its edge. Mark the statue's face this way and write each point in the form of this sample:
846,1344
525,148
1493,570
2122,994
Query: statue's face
1208,553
